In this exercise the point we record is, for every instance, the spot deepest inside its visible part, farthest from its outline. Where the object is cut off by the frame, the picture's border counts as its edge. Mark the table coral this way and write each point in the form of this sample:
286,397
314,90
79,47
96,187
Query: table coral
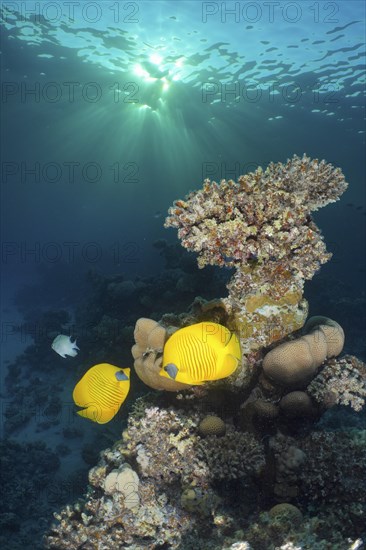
262,227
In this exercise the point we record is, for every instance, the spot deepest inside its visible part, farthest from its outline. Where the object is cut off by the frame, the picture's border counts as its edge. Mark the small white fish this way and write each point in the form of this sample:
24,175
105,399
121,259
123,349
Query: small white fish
63,346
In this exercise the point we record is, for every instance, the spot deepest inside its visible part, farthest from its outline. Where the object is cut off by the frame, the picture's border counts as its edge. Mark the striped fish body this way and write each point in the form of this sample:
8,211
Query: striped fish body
100,393
200,353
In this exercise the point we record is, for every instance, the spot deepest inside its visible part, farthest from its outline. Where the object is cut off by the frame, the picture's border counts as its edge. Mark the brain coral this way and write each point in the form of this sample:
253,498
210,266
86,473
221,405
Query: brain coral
262,227
295,362
288,511
212,425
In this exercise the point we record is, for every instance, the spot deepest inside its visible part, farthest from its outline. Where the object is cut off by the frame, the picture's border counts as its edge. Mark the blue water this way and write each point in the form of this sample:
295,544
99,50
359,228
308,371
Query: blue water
112,110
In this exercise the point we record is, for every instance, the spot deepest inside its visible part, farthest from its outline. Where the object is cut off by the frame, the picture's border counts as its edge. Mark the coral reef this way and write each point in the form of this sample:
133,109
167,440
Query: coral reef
163,443
262,227
152,487
244,464
179,462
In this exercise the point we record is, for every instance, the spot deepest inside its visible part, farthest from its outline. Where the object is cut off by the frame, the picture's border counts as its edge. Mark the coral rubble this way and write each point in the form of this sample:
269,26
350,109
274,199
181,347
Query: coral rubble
242,464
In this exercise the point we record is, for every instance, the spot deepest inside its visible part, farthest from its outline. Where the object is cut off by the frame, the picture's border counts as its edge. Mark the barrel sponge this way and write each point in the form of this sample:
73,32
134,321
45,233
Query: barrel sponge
147,352
296,362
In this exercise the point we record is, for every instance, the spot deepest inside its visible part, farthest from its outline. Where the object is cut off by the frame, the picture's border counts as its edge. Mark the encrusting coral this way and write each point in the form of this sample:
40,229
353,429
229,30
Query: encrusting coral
262,227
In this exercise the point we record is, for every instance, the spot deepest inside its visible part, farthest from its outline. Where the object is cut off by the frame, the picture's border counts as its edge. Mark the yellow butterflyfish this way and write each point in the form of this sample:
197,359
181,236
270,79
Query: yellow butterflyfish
201,353
101,392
